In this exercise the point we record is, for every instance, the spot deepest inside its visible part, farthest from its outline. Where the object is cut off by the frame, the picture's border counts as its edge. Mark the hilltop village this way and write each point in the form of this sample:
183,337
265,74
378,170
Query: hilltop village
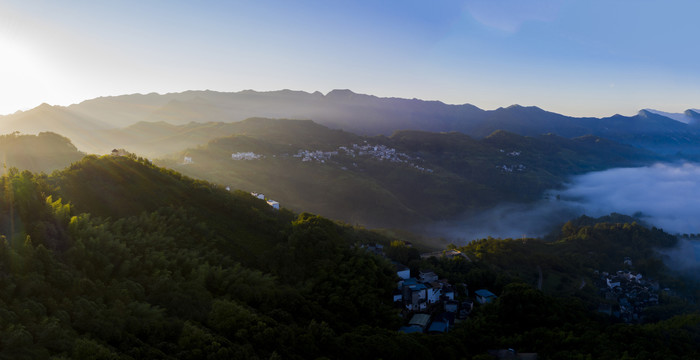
427,303
626,293
366,150
432,305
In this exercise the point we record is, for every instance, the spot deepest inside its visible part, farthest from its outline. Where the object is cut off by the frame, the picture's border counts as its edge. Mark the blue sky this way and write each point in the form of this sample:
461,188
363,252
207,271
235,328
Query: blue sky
581,58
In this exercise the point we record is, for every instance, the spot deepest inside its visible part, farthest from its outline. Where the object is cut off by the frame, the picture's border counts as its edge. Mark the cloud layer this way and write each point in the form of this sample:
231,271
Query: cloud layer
663,195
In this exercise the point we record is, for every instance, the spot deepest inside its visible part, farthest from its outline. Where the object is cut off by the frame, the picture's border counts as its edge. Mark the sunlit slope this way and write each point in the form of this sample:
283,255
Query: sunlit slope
44,152
181,269
122,186
160,138
408,178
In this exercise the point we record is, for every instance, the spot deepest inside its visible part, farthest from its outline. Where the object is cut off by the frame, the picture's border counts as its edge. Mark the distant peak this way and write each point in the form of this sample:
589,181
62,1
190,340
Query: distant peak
645,113
685,117
692,113
520,107
340,93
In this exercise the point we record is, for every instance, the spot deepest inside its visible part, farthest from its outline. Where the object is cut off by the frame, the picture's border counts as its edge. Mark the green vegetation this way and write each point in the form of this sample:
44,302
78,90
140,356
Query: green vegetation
174,268
44,152
116,258
411,177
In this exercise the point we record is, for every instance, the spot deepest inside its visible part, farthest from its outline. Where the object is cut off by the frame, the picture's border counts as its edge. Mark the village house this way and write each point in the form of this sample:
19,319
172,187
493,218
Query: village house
259,196
415,295
418,323
119,152
275,204
451,306
402,271
427,277
484,296
465,308
441,324
434,291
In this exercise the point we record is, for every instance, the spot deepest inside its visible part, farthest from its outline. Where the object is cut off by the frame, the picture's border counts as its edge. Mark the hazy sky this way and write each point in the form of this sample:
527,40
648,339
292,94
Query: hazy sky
583,58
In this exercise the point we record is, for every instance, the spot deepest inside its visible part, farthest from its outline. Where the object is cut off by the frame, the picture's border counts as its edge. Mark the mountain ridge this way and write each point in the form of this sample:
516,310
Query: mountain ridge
343,109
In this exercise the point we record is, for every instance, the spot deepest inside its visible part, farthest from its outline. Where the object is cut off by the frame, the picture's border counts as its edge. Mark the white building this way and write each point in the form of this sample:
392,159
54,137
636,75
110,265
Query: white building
403,271
245,156
275,205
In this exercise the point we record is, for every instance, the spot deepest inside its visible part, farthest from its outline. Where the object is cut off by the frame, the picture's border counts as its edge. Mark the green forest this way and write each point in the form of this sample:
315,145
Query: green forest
113,257
400,180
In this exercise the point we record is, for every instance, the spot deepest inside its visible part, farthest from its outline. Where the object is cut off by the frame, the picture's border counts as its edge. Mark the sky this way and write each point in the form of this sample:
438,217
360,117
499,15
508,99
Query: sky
579,58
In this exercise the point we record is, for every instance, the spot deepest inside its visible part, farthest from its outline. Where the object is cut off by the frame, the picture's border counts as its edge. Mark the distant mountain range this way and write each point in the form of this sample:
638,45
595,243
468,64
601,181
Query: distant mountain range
100,124
690,116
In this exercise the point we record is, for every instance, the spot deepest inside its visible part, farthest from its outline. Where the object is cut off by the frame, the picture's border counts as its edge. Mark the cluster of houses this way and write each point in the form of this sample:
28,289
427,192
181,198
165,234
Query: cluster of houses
383,153
378,152
317,155
627,294
512,153
429,302
246,156
431,305
275,204
511,168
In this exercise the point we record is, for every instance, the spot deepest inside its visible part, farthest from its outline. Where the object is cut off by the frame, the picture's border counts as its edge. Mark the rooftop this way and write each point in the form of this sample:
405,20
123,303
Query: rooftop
484,293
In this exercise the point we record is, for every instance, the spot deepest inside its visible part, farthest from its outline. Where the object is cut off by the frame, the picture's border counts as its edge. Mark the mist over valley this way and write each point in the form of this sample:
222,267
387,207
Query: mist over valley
663,195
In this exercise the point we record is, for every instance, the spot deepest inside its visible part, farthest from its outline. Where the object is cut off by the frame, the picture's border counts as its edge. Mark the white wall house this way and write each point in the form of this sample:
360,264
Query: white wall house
275,205
403,271
433,293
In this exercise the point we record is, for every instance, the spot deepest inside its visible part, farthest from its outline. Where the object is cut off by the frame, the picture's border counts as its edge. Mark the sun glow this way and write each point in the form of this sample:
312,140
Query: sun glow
23,75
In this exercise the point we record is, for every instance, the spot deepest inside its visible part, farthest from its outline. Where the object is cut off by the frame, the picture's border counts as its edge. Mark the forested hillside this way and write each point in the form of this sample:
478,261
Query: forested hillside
408,178
43,152
176,268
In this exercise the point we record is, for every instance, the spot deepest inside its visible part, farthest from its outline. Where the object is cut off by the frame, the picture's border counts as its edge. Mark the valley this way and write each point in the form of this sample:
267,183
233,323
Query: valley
176,254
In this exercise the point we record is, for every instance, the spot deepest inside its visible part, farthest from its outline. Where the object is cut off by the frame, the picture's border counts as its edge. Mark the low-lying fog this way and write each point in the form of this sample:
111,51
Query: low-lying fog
663,195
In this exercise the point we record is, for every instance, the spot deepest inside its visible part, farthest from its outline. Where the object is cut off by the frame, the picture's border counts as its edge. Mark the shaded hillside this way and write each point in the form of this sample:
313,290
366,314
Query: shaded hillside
44,152
91,124
408,178
160,138
183,269
180,269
